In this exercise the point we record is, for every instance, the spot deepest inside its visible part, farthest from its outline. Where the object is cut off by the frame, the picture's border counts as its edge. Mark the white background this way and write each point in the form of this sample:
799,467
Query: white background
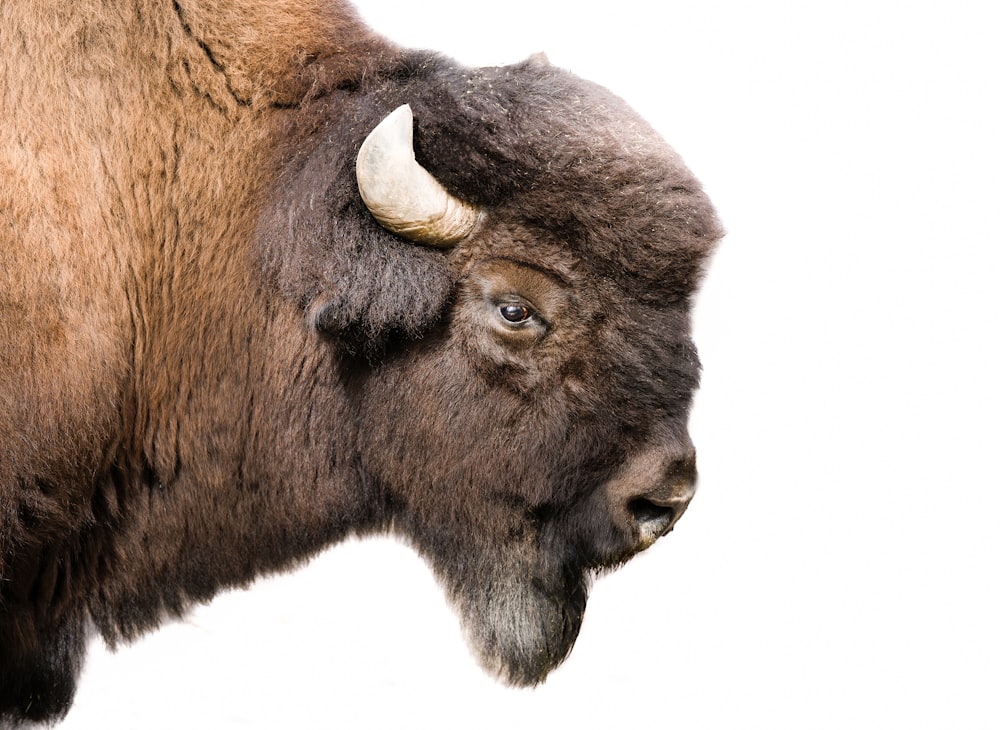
838,568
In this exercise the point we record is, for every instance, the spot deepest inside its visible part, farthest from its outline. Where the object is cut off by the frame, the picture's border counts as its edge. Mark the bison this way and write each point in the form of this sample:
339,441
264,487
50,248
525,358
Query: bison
268,280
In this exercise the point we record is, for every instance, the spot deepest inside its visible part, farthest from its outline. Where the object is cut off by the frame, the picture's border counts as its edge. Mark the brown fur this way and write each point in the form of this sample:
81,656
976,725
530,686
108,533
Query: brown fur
213,362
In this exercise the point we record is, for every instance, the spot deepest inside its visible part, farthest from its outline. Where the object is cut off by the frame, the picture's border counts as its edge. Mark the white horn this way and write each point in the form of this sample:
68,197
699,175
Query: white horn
405,198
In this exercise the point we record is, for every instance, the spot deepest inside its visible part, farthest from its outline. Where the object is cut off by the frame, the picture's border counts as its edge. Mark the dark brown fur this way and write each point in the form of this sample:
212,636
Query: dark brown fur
214,363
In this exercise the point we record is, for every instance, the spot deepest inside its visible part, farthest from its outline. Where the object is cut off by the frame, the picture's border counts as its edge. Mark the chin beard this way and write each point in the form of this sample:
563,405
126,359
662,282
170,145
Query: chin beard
521,622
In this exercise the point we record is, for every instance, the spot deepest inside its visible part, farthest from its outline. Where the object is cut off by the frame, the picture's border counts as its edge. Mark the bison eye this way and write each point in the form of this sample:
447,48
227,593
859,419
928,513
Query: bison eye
516,313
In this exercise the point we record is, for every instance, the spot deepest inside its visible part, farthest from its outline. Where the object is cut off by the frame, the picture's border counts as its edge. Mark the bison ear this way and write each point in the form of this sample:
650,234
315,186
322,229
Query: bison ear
380,291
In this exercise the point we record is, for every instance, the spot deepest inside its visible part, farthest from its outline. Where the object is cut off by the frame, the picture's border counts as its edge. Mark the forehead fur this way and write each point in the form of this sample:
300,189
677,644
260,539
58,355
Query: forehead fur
536,144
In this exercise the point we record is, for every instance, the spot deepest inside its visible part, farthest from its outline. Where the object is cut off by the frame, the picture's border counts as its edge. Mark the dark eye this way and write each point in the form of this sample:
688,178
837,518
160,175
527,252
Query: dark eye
516,313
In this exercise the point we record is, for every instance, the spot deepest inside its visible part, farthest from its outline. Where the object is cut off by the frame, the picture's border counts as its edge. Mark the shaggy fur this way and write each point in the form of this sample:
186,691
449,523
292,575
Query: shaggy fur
214,362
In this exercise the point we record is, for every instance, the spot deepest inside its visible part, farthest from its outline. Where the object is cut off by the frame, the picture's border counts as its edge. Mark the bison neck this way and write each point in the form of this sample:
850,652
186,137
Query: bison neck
234,467
182,413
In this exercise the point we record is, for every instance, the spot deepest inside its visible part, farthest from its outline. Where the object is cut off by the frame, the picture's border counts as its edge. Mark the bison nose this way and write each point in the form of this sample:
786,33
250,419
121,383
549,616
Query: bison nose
650,495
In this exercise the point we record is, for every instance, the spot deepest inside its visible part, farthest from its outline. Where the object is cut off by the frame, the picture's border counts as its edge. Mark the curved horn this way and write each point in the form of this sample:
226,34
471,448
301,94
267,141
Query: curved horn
405,198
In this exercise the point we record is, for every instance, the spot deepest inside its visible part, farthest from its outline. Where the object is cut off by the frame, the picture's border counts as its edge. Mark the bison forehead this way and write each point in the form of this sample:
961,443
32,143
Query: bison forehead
535,143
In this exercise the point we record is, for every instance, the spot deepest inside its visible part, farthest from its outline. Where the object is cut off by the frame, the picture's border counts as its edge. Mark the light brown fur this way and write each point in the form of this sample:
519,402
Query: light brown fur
129,190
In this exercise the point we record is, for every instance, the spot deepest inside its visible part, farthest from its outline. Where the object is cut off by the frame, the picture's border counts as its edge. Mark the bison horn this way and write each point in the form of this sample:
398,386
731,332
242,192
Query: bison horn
405,198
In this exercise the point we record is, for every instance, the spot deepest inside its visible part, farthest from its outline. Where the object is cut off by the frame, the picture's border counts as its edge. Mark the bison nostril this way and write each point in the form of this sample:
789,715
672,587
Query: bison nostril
647,512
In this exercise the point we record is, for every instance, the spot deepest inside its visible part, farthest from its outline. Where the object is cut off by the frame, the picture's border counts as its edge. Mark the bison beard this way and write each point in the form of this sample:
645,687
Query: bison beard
216,359
521,629
521,611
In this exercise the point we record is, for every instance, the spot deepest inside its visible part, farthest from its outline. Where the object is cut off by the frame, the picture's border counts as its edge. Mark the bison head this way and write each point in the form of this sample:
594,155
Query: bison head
506,278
